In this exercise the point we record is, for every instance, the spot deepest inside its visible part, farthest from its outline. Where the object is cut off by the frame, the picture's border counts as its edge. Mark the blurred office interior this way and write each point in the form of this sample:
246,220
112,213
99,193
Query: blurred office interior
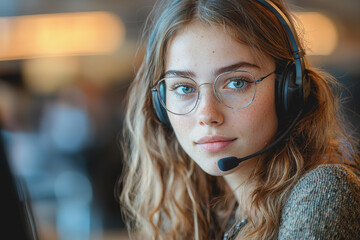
65,67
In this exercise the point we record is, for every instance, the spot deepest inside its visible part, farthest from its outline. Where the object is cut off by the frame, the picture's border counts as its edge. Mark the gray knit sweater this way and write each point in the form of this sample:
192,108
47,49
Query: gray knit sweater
324,204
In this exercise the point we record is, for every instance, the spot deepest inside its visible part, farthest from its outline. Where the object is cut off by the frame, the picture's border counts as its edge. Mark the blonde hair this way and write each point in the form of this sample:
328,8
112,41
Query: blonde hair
164,194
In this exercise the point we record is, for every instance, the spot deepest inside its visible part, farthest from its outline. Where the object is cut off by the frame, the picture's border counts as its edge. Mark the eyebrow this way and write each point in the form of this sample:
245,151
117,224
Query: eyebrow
235,66
179,73
217,72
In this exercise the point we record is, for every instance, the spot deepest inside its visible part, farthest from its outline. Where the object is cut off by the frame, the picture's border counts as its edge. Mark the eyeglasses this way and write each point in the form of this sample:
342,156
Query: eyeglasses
180,95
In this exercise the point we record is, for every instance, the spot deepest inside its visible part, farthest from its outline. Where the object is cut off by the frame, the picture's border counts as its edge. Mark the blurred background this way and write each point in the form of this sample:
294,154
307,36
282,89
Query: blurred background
65,67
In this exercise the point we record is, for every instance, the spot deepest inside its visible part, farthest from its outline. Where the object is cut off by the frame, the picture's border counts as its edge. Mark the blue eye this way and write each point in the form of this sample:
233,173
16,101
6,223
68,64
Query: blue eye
236,84
183,89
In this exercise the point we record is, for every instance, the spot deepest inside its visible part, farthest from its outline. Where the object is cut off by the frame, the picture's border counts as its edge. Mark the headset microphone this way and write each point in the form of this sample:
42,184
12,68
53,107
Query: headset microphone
228,163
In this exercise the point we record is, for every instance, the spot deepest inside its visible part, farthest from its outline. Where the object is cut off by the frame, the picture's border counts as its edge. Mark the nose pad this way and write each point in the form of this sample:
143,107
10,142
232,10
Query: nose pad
209,108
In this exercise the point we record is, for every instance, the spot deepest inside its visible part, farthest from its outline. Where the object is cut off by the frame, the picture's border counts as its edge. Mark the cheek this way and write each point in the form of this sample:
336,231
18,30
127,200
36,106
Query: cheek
181,126
266,116
265,119
260,118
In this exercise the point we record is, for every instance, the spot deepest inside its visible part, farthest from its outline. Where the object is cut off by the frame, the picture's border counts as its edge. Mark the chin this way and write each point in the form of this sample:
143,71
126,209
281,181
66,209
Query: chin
214,170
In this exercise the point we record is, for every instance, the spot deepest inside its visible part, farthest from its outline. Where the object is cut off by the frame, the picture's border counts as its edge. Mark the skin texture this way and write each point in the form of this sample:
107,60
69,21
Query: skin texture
202,51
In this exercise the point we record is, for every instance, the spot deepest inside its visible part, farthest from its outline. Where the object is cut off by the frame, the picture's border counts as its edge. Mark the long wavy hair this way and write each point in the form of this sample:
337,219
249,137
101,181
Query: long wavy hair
163,193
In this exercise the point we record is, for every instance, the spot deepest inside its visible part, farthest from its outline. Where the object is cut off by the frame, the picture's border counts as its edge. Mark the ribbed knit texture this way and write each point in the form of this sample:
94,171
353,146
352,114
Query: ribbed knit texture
324,204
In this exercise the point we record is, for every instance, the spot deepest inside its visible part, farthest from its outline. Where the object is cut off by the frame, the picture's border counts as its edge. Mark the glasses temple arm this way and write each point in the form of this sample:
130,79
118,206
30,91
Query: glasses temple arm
262,78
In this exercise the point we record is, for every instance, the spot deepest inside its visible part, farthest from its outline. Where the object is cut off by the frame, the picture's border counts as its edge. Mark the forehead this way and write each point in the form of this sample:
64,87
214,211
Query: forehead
204,47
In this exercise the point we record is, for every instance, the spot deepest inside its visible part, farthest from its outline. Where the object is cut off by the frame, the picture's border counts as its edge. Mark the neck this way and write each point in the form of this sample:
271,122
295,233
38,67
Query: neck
238,182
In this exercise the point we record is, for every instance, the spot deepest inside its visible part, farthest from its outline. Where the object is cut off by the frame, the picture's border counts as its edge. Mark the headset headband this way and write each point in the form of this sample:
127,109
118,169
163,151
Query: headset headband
297,53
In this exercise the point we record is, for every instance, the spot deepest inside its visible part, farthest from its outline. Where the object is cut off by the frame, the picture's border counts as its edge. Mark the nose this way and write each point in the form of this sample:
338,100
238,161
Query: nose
209,109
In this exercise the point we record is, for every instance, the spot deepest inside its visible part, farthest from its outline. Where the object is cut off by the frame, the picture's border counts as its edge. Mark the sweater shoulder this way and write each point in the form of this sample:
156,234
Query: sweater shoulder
324,202
327,178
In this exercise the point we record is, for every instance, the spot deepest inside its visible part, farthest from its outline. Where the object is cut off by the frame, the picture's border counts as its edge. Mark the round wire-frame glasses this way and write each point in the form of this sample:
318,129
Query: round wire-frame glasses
180,94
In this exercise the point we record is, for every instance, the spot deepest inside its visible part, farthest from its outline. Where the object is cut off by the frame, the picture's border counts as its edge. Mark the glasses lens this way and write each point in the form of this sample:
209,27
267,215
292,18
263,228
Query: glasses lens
235,89
178,95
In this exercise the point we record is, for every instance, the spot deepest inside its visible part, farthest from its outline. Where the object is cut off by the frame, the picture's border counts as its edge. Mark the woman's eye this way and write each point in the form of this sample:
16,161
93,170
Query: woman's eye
236,83
182,89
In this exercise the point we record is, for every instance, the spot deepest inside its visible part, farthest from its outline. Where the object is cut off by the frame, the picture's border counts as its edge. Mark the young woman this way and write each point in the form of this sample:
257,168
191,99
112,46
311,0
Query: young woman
230,134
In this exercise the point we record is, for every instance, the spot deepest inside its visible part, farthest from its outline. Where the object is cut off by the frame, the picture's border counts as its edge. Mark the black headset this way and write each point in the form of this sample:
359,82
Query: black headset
290,83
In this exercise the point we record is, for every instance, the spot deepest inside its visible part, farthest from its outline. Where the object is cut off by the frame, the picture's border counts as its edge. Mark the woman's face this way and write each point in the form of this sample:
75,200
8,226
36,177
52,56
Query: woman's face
213,131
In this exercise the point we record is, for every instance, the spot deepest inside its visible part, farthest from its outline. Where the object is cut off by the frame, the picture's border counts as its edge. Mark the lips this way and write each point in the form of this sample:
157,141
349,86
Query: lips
214,143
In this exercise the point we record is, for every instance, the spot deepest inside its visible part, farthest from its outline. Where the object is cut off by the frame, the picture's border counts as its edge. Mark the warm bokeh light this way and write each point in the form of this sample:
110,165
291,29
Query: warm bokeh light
47,75
64,34
320,33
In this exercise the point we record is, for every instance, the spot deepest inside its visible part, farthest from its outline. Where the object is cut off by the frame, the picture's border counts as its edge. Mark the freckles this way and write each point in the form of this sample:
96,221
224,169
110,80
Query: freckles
247,120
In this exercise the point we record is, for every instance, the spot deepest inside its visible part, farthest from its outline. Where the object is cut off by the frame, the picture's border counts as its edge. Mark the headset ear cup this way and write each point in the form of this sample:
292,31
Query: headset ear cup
288,99
279,94
288,93
160,111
